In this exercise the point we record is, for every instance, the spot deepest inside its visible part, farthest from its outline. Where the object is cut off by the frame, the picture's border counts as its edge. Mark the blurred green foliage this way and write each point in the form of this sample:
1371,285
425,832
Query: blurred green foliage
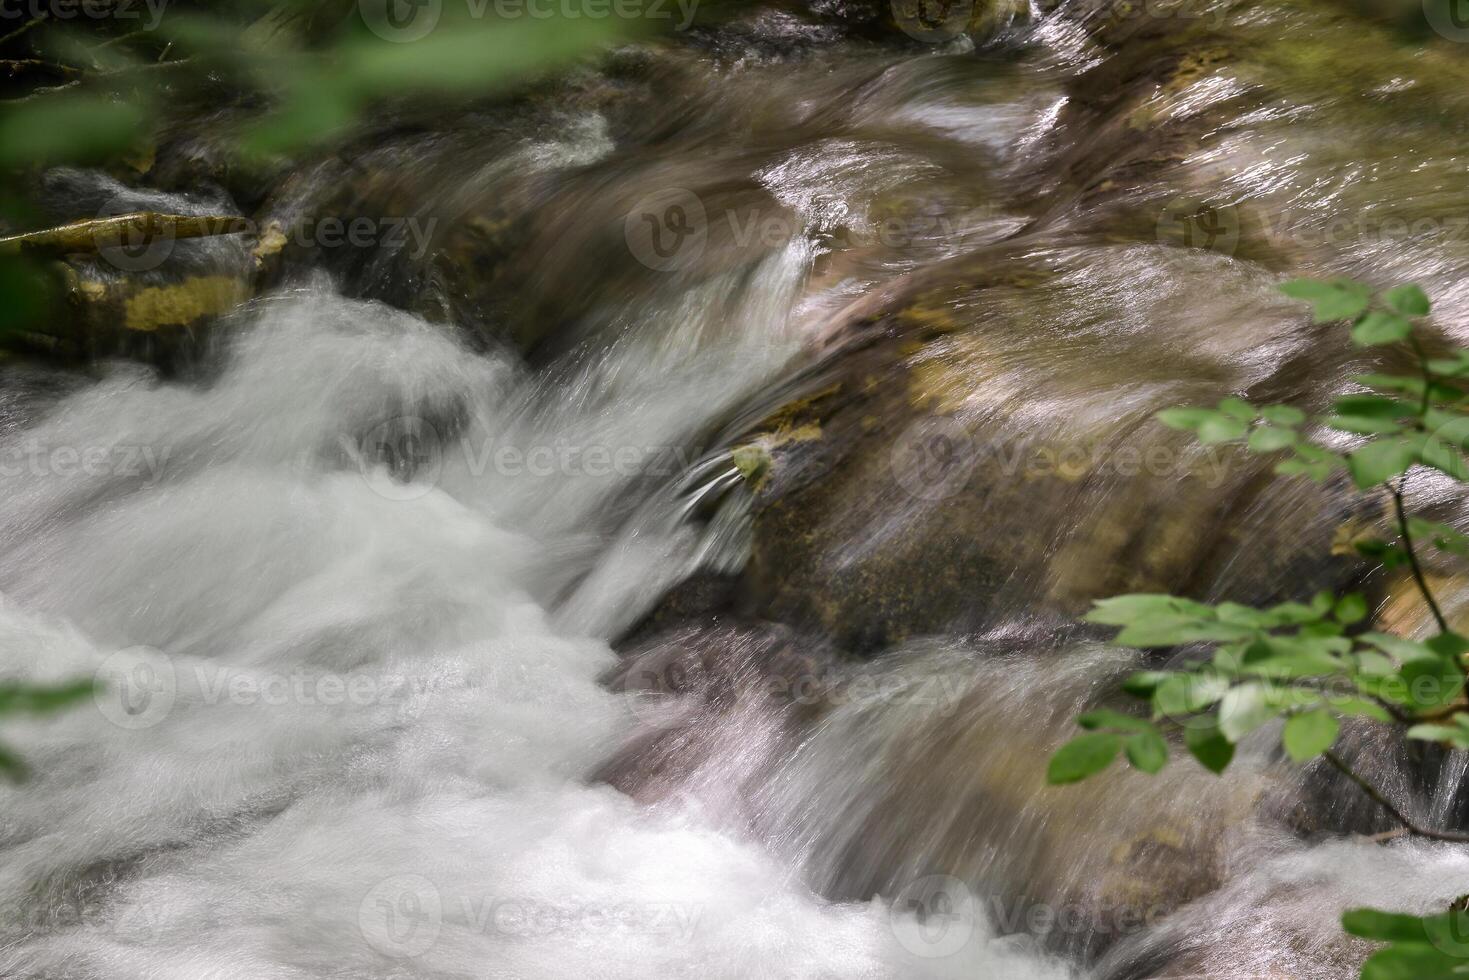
18,698
303,74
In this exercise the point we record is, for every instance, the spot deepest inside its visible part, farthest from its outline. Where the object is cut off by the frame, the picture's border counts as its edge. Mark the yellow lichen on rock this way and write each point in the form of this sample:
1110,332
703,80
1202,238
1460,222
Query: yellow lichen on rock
156,307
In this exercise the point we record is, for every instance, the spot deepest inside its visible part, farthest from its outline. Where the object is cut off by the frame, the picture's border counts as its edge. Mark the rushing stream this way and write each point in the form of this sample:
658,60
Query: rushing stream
670,563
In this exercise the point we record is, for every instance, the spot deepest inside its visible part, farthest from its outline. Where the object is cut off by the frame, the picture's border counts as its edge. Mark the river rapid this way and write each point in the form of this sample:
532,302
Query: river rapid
668,560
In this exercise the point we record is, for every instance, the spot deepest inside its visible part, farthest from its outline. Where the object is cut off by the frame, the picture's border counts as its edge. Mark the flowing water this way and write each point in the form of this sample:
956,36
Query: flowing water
587,595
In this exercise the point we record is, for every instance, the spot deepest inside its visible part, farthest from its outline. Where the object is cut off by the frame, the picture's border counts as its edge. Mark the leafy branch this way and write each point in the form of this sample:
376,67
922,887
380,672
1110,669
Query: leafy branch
1311,664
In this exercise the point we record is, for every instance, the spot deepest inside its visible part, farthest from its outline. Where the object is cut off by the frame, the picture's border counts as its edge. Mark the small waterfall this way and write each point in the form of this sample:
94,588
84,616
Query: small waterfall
544,595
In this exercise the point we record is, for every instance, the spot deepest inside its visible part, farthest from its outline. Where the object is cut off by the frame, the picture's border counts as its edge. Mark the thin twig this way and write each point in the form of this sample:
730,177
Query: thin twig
1377,797
1402,518
119,39
1427,375
22,29
17,65
100,76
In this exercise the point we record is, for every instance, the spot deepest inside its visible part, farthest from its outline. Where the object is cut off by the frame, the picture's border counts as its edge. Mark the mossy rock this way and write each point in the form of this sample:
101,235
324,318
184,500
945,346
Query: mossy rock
155,300
1059,487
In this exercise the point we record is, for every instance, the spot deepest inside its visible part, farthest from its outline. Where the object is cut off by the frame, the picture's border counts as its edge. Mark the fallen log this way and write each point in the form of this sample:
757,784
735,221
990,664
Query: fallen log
130,230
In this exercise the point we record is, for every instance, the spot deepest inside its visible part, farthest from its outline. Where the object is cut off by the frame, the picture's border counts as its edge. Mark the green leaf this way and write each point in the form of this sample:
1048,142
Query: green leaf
1351,608
1283,414
68,128
1245,708
1122,610
16,697
1081,757
1147,751
1221,428
1309,734
1378,328
1207,744
1363,425
1444,458
1371,662
468,58
1185,693
1408,300
1452,735
1385,926
1238,408
1432,681
1392,382
315,113
1360,708
1186,419
1373,406
1375,549
1412,962
1452,427
1448,644
1444,538
1234,612
1340,299
1291,614
1160,632
1380,460
1269,438
1144,683
1107,718
11,766
1454,367
1313,461
1396,646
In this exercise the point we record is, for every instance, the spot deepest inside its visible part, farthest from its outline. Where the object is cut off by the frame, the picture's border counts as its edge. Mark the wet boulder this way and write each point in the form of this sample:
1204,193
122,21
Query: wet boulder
993,451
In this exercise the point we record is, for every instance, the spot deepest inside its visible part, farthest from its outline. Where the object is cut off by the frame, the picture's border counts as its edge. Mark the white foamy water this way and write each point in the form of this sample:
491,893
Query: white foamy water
350,711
